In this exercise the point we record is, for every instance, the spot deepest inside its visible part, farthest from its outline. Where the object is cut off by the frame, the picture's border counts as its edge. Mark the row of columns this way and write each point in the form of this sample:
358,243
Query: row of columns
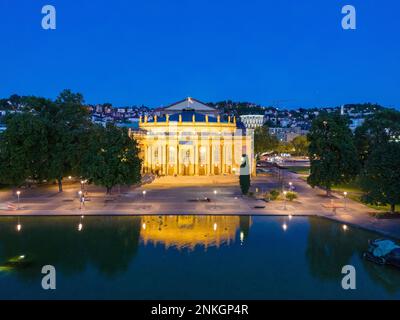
193,166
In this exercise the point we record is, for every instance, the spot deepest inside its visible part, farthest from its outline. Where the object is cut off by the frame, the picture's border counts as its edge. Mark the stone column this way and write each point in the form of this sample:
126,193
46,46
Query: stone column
166,159
177,159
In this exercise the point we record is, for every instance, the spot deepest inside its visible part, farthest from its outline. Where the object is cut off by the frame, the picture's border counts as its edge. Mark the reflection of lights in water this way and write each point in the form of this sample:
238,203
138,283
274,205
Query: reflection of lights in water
290,217
80,227
144,226
344,227
241,237
19,227
82,217
284,227
215,226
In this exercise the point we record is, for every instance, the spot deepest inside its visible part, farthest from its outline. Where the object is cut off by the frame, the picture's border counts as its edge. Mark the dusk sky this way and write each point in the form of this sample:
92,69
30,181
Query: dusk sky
155,52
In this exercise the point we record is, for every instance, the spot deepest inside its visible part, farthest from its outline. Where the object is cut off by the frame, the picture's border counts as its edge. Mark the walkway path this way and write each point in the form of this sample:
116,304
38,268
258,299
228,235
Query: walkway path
196,195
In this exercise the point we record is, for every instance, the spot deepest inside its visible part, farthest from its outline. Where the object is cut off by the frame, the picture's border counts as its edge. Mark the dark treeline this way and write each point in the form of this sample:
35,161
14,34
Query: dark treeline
371,154
49,140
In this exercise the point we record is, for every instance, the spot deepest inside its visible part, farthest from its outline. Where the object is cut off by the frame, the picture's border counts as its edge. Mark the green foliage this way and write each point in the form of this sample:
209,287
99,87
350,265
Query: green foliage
376,130
263,141
23,149
333,155
290,195
68,124
380,179
111,157
274,194
300,145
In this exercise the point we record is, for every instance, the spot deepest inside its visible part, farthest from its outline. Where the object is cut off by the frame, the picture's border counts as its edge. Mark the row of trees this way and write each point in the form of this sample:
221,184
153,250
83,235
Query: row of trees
265,142
55,139
371,154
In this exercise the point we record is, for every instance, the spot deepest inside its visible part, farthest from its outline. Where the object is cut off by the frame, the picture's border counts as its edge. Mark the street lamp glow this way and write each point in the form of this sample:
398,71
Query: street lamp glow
19,227
290,217
144,226
241,236
144,192
80,227
344,227
215,191
18,194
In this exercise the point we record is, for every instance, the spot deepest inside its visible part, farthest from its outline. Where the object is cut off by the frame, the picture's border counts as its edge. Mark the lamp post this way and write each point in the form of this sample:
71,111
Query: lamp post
344,199
18,194
144,194
215,193
284,194
290,186
80,199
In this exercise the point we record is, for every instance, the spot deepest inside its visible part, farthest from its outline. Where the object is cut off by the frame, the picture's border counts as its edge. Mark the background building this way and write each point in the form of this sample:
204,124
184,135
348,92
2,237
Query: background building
252,121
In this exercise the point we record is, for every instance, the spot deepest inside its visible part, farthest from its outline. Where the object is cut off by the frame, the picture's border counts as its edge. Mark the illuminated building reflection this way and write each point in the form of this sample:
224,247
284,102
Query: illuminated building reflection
191,231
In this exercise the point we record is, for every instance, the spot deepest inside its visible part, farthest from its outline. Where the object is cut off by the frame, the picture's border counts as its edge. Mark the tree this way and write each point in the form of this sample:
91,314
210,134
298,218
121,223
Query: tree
23,149
377,142
333,155
263,141
67,121
111,157
380,178
300,145
377,129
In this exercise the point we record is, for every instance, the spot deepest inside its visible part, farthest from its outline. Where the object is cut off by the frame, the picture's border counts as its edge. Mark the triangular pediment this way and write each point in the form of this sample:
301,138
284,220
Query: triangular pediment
191,104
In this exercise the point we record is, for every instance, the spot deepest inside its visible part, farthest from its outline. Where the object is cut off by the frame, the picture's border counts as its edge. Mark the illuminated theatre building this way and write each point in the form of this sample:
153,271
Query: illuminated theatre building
190,138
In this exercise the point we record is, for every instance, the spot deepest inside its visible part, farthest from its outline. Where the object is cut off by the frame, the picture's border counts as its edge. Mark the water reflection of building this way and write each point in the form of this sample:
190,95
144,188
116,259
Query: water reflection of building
191,231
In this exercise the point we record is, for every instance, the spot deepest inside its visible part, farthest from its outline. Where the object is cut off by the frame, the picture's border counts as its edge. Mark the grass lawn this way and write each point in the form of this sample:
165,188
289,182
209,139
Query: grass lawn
299,170
354,193
352,188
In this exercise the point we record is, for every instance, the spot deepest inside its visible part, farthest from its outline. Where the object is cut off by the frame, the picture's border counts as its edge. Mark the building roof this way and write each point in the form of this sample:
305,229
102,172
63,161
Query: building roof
189,104
187,116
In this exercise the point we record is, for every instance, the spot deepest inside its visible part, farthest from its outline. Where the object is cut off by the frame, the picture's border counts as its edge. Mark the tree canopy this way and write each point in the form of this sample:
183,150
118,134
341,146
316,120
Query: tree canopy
111,157
263,141
333,155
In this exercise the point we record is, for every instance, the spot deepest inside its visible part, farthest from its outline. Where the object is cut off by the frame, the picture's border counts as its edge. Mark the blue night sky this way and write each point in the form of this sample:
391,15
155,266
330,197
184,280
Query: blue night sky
155,52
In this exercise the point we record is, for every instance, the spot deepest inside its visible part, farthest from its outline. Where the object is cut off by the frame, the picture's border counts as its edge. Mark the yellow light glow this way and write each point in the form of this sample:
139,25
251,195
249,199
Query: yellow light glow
215,226
144,226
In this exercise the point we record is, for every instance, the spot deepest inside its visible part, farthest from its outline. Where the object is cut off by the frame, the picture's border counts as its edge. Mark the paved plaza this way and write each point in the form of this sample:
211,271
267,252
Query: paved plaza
215,195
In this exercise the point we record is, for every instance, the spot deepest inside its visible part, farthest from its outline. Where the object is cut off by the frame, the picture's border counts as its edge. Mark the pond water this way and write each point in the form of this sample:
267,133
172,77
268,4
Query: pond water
188,257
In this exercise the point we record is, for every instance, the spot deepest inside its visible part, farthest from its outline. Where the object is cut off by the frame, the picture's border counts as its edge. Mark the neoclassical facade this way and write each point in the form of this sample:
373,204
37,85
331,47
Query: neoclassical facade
192,143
